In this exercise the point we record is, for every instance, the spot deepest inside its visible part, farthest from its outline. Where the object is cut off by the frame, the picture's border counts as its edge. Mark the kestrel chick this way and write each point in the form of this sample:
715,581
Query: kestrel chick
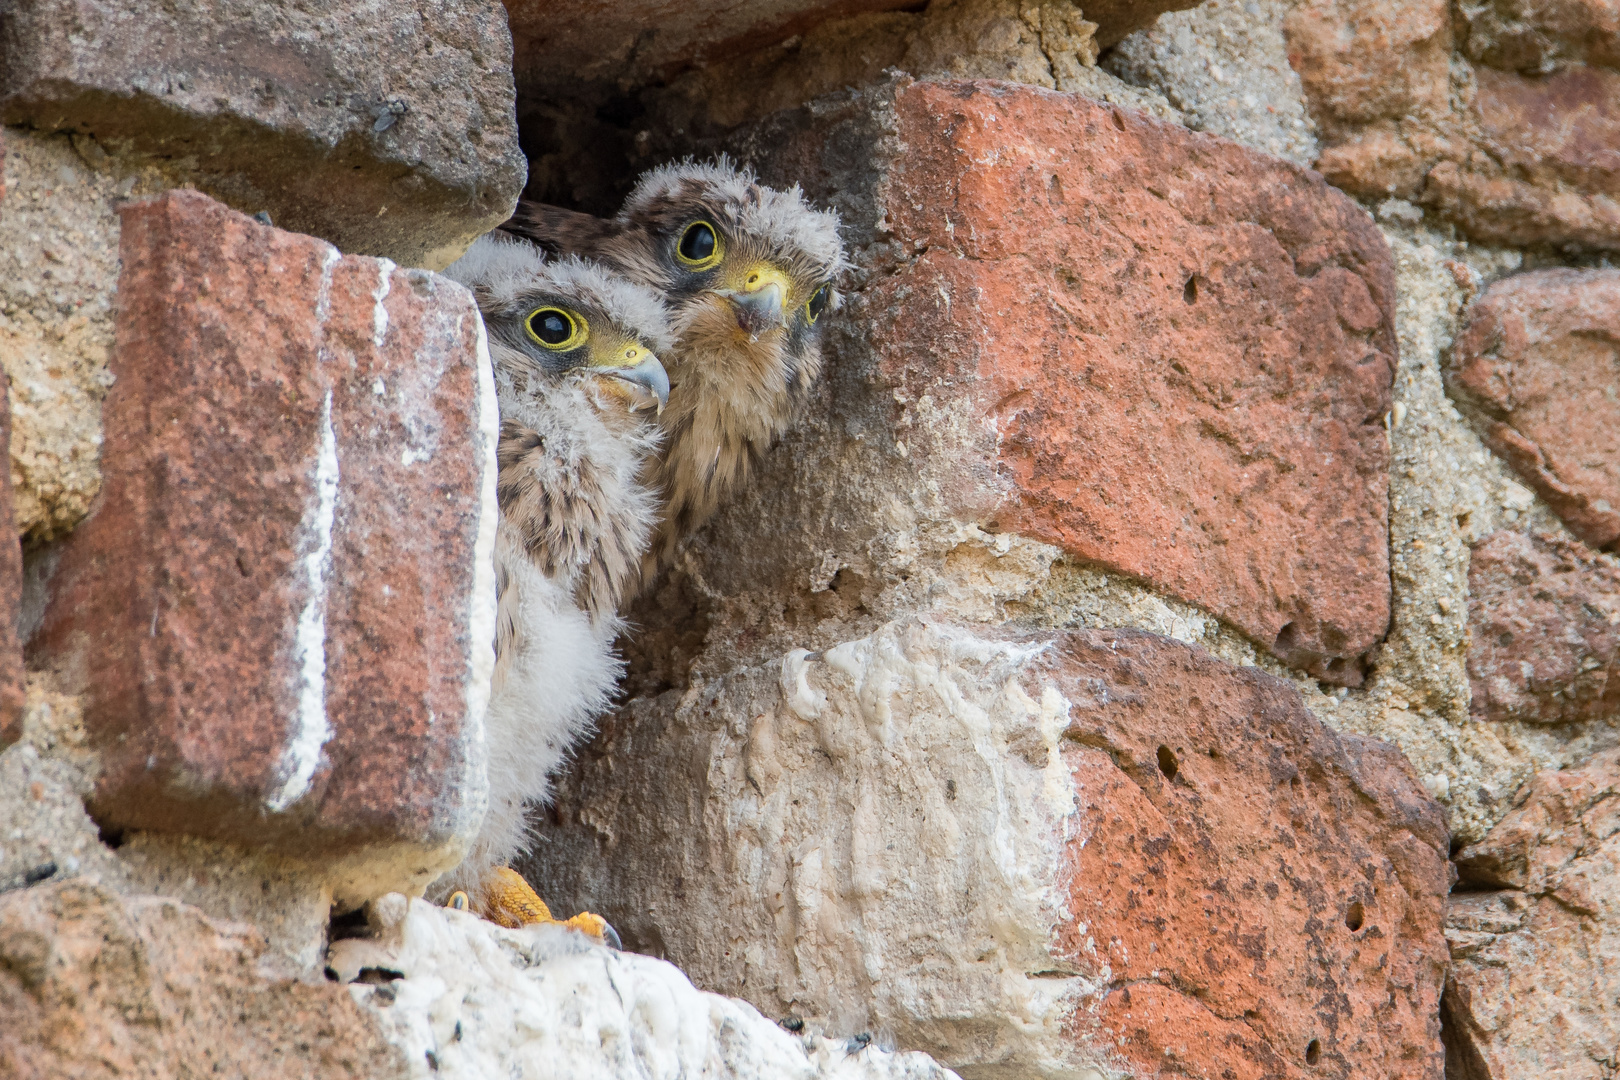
578,379
748,273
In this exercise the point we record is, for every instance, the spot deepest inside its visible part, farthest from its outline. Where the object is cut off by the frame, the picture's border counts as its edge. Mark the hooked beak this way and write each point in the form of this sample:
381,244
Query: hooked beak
760,304
646,384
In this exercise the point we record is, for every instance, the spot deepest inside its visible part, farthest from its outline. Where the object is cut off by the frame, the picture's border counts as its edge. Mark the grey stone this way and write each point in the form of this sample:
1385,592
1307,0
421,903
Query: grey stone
388,129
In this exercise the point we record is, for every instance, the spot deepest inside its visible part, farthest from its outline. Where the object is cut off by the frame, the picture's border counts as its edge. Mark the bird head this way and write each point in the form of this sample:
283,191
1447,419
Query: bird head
568,319
748,269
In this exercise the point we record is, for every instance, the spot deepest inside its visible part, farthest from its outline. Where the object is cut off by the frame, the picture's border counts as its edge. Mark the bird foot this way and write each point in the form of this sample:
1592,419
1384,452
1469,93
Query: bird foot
509,901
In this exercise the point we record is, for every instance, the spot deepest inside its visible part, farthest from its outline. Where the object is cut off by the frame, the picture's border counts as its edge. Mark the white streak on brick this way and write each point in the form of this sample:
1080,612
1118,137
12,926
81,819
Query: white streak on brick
303,753
481,616
323,292
379,313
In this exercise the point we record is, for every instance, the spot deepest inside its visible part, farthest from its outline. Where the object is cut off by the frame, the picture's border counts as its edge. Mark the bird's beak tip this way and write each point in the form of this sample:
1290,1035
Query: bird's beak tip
646,380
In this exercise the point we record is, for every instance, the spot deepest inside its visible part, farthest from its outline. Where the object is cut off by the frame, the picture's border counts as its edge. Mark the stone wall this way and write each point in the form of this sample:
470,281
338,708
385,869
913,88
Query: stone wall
1181,638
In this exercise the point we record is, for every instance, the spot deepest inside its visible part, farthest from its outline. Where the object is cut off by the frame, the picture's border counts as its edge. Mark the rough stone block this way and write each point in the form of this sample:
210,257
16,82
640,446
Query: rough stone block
387,129
1536,369
1095,850
1534,944
562,44
97,986
58,283
1504,120
1544,620
280,614
1156,350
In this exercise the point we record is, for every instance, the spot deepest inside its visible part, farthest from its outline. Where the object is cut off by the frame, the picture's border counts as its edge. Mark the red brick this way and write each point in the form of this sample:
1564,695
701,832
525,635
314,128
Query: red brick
1544,626
251,363
1176,353
1244,881
1535,368
1495,119
1534,935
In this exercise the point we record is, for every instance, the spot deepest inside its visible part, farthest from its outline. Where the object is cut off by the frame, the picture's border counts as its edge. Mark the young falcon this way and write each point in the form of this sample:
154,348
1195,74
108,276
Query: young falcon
747,271
578,380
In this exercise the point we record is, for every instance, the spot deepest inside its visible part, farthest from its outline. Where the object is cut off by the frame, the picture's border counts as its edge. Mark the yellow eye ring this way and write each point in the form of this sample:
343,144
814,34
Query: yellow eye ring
556,329
817,303
700,246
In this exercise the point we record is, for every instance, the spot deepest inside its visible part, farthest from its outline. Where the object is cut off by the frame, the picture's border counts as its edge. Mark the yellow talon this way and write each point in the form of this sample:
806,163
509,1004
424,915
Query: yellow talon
510,902
590,923
458,900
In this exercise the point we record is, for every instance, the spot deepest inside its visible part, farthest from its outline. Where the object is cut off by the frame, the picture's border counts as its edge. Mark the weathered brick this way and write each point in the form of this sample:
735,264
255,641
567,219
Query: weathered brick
1536,368
1093,849
1159,351
280,613
1258,893
94,985
387,129
563,44
1505,120
1534,934
1544,625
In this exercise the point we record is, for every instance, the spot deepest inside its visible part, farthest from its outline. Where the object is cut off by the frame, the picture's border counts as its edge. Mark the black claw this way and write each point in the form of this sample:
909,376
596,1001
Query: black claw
610,937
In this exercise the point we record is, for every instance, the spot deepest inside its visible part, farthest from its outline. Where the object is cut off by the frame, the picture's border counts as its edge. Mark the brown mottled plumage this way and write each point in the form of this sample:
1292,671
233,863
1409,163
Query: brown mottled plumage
577,378
744,316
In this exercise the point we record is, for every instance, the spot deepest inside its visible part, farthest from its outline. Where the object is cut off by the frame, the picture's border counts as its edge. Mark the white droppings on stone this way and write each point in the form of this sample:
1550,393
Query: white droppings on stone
314,728
481,1001
379,312
883,832
800,699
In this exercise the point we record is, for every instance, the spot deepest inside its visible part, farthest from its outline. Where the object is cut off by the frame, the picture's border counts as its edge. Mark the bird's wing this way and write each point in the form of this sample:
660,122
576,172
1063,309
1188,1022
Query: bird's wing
561,232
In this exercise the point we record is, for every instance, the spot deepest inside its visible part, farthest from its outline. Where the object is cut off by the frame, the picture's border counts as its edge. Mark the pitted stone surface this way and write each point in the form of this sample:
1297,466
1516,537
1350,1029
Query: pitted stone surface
1156,350
98,986
1534,944
1538,369
1262,896
563,44
1544,615
1505,119
388,129
1092,850
280,613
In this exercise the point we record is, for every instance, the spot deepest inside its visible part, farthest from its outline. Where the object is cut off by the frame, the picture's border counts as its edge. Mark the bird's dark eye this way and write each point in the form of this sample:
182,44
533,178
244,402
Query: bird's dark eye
556,328
818,303
700,246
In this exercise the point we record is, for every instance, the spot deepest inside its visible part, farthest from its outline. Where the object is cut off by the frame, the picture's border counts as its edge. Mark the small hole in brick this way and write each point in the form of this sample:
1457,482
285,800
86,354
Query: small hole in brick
112,837
1313,1051
1168,763
1355,916
1119,120
1189,292
950,790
